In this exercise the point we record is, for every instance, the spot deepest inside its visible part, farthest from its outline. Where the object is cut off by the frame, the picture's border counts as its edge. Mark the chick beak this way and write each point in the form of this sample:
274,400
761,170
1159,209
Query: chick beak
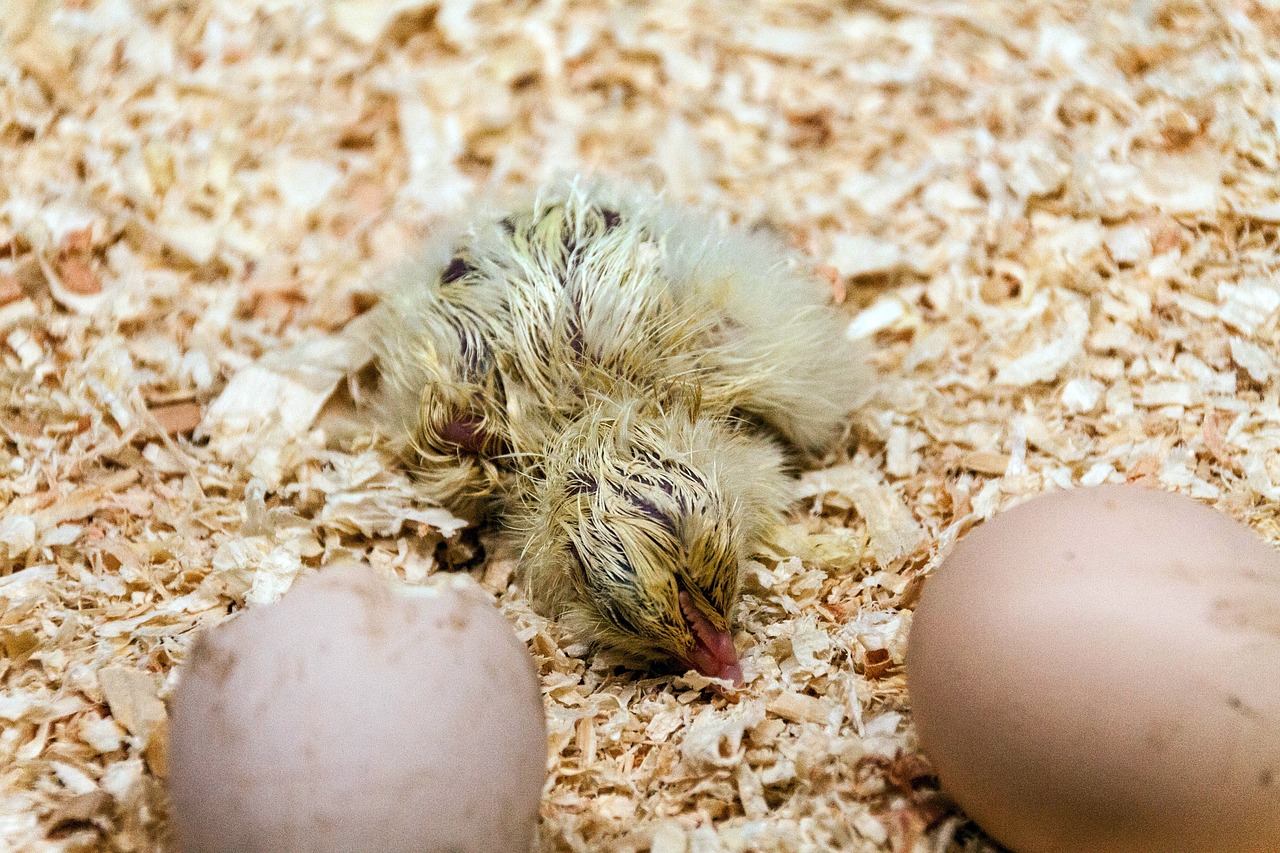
713,653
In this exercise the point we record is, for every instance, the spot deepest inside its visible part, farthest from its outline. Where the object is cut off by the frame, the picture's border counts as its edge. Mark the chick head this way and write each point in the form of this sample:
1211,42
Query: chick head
636,533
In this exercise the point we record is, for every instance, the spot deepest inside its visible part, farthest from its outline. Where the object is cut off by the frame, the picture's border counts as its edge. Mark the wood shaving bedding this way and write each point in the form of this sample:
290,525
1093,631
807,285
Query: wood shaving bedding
1056,224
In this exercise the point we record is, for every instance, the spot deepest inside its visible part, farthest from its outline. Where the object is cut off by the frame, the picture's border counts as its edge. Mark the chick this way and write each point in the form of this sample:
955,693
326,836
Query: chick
624,388
636,522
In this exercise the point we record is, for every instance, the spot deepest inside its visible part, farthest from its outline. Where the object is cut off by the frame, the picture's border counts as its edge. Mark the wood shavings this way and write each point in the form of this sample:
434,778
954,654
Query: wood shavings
131,696
1043,362
882,314
1056,232
1257,362
91,807
273,401
178,417
715,740
893,531
366,21
1082,394
798,708
1247,305
856,255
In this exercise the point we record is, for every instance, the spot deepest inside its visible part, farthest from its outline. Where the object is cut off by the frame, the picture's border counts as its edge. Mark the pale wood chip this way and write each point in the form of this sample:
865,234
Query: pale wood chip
798,708
984,462
132,697
750,792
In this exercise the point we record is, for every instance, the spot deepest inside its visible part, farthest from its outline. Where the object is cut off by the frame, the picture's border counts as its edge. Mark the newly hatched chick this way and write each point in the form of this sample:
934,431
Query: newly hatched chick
621,385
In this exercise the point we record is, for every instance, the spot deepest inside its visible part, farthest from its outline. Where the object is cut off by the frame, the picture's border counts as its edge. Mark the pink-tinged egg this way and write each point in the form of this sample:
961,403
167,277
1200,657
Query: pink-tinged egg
353,715
1099,670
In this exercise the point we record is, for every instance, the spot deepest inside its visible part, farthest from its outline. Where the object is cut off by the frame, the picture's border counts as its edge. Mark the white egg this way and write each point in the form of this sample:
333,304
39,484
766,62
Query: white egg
1099,670
354,716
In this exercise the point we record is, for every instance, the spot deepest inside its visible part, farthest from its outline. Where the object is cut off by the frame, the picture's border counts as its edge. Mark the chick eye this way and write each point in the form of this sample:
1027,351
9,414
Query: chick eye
462,431
458,268
466,432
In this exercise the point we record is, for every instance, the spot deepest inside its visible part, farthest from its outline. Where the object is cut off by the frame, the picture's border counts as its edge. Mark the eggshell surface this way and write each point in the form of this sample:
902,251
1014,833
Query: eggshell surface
1099,670
352,716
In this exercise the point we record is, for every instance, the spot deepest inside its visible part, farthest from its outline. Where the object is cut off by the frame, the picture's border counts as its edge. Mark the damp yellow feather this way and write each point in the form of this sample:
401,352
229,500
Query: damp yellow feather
623,387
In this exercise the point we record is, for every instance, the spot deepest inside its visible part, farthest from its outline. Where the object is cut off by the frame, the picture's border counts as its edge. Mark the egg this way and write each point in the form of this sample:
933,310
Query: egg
1099,670
357,716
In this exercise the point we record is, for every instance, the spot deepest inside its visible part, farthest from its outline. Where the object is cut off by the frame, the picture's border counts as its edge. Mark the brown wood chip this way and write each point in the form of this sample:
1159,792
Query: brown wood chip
78,277
78,812
10,289
178,418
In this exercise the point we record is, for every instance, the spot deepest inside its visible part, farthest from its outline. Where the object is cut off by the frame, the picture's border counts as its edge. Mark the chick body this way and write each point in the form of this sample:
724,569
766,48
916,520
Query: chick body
617,382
